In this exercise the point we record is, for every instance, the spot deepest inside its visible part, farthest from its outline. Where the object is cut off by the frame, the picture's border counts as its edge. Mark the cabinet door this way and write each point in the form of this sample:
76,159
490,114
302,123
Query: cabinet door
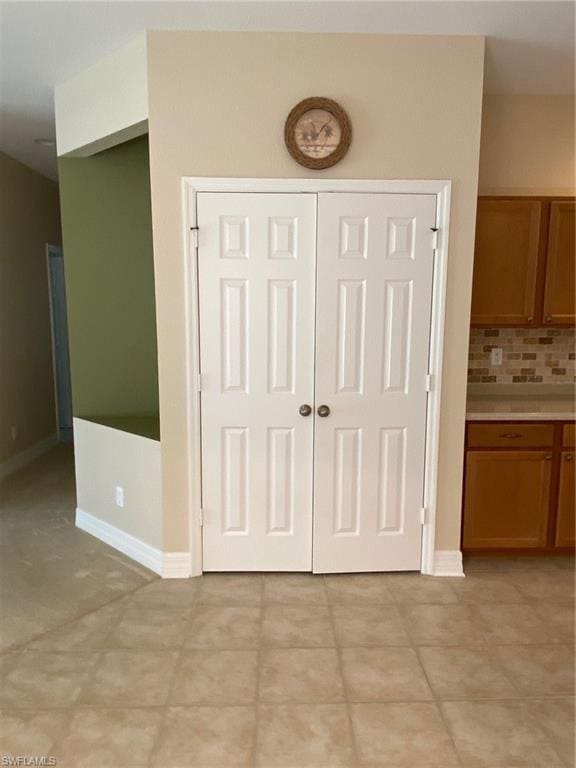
559,294
565,536
507,498
508,234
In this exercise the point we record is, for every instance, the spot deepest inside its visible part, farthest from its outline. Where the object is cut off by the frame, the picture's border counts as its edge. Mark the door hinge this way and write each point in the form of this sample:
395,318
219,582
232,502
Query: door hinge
423,516
428,382
435,231
201,517
195,238
199,382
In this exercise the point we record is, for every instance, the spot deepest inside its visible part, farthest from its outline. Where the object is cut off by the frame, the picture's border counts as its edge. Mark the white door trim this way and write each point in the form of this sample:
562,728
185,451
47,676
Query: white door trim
191,186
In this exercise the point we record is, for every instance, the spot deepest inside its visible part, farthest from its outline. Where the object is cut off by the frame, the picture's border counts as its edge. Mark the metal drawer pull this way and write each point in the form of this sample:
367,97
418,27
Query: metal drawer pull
548,456
568,457
511,435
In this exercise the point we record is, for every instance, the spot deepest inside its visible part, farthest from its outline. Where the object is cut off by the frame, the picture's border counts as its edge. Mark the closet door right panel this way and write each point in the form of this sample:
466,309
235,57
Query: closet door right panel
374,295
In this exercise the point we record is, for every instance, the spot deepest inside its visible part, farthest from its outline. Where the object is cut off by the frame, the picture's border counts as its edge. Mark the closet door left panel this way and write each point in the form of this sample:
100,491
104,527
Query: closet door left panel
256,267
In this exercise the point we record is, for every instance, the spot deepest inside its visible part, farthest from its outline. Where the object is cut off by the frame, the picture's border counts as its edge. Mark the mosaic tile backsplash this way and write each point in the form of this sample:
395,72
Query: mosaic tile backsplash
529,356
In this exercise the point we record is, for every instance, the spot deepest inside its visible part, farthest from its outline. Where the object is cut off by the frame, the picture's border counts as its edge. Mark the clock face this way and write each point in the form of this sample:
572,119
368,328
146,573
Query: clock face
317,133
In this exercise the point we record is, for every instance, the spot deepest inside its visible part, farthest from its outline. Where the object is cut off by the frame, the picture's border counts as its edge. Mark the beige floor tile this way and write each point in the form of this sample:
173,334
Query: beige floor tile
52,571
303,675
131,678
109,738
556,717
216,677
230,589
554,587
291,626
224,627
45,679
167,593
539,669
486,588
442,625
298,588
369,625
384,674
415,588
504,624
402,736
358,588
464,673
87,633
304,736
560,618
498,734
206,737
28,732
150,629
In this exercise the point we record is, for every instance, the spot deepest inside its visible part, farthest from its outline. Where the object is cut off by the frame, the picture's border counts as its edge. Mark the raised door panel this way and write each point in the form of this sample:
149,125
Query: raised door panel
506,260
256,263
507,498
560,291
374,295
565,521
569,435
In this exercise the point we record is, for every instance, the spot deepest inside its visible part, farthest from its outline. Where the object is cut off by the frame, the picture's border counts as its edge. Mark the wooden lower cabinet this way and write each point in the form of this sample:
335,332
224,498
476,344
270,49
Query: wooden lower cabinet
565,522
507,498
520,497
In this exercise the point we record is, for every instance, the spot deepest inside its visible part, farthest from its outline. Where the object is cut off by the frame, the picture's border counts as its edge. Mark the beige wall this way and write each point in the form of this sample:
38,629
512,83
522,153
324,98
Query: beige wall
217,105
105,458
104,104
527,145
29,218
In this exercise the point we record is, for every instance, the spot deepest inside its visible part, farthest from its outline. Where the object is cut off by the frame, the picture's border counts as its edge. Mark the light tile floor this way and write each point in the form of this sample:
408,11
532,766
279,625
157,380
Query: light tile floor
301,671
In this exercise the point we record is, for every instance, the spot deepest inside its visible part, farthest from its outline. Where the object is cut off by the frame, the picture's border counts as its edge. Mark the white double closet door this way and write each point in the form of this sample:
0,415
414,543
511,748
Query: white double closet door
315,314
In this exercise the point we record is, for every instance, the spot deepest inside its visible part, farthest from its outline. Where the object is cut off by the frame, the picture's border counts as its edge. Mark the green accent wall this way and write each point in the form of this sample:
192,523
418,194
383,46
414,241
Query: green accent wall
107,235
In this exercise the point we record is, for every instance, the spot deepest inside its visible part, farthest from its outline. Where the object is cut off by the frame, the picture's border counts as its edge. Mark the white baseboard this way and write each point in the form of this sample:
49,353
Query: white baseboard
448,562
168,565
15,463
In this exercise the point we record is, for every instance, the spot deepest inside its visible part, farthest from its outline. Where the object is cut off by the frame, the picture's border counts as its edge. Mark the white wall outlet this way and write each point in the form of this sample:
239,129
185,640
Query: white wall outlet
14,432
496,356
119,496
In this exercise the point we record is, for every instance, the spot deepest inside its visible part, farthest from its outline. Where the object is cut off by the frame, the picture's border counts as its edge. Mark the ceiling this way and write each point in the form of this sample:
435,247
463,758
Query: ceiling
530,45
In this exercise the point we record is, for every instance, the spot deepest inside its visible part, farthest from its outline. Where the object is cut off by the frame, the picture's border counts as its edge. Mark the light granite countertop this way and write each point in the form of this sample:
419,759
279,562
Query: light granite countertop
532,404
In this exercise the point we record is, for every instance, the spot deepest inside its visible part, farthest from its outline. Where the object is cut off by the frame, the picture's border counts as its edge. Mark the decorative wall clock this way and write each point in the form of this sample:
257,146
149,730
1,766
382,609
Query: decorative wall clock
317,133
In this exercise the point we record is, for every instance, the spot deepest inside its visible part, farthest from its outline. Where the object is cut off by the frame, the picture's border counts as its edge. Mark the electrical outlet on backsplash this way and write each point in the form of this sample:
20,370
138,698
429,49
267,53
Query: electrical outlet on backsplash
530,356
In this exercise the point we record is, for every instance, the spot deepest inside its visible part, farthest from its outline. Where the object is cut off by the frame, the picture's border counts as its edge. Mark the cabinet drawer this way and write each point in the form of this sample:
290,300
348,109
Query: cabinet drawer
569,435
502,435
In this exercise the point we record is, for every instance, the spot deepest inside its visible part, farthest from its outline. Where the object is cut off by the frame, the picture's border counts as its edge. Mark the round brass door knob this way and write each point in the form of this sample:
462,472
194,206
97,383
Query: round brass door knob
323,411
305,410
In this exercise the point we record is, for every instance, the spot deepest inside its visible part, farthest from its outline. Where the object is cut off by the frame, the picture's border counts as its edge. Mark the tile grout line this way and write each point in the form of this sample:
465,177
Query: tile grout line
302,702
357,758
20,647
254,755
179,661
435,698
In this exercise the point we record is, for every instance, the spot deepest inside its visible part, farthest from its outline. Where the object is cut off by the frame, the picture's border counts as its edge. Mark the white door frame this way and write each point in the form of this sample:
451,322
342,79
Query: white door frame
191,186
55,251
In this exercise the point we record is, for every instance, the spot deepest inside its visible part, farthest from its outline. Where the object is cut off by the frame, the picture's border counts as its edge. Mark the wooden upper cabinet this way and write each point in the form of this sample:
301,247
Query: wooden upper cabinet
559,292
509,240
